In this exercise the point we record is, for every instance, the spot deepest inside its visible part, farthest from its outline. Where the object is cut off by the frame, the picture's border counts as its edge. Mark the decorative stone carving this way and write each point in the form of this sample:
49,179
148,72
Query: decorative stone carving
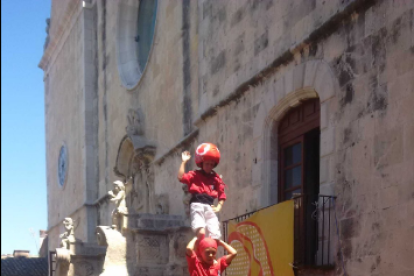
178,245
162,204
142,193
135,128
135,122
135,132
117,195
83,268
68,236
149,248
139,196
152,247
178,239
115,259
135,156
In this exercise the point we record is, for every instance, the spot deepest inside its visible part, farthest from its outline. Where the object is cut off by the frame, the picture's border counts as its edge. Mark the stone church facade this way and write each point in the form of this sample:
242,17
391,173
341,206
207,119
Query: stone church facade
130,84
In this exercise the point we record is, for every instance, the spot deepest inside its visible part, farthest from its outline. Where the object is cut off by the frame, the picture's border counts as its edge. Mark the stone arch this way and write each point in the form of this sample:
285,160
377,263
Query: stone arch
312,79
124,159
135,158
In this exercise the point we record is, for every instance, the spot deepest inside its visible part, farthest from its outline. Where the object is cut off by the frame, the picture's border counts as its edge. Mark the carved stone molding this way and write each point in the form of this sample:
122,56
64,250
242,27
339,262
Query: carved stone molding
134,148
134,159
152,248
162,205
146,153
83,268
58,30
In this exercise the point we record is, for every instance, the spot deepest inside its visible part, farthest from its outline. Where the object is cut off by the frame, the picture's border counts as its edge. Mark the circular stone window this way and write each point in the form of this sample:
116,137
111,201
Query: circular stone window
62,166
136,25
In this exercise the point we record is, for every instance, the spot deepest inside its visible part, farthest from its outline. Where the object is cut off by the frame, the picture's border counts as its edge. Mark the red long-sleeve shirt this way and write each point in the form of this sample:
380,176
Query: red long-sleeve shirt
199,182
197,268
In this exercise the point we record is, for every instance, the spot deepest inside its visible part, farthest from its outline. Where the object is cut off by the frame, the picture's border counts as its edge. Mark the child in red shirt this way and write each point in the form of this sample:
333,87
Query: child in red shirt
205,185
205,263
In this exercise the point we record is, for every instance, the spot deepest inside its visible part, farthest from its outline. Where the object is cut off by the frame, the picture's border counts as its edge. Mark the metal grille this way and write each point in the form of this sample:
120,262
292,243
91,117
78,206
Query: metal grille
52,263
313,231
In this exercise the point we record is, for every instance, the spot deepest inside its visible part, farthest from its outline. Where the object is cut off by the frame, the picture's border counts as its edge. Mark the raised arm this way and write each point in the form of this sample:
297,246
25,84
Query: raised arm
230,249
190,247
185,157
118,196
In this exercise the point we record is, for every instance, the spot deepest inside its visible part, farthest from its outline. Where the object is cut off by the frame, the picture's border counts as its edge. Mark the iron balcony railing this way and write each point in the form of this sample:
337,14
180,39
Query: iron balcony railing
313,230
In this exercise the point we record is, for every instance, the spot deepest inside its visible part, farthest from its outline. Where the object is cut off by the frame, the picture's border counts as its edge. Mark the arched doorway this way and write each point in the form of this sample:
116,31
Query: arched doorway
298,144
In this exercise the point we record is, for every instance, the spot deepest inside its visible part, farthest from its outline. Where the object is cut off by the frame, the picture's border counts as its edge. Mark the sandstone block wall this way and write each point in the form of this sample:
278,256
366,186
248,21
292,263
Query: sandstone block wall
226,72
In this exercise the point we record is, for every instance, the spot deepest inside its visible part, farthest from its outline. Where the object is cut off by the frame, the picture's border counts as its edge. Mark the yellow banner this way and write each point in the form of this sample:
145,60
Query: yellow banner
264,242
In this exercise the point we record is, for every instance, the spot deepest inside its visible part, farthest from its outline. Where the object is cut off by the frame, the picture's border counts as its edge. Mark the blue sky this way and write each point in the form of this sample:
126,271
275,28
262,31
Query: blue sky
23,174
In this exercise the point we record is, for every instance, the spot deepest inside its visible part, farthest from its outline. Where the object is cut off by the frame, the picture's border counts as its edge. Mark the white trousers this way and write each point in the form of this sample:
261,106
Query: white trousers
202,215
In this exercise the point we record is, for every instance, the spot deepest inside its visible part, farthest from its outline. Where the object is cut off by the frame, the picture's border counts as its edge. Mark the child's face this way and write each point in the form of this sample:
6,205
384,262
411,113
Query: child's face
209,255
208,166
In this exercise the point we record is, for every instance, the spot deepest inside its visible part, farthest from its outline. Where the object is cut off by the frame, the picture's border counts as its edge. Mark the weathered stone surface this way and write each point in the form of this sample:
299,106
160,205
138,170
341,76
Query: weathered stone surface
227,73
115,258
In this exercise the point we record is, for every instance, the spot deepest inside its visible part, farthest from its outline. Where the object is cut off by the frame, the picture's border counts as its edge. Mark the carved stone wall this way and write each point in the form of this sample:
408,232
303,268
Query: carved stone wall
87,265
142,194
156,244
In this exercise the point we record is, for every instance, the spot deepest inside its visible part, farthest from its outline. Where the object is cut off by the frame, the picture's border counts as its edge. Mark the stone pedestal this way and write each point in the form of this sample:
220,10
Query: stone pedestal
115,258
83,259
63,257
150,245
156,245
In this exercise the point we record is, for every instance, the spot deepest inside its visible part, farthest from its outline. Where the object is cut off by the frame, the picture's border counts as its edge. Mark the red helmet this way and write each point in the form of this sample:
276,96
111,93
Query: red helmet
207,152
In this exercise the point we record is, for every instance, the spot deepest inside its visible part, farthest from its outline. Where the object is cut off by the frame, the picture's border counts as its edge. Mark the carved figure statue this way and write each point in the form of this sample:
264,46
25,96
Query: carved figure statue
118,197
135,124
69,235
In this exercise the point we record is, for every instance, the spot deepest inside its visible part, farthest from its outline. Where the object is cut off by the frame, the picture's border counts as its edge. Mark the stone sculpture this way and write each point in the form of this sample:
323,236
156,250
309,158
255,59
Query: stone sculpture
69,235
118,197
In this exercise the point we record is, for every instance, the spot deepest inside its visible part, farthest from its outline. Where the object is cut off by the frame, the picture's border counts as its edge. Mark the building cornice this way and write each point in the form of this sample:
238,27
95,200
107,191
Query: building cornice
71,10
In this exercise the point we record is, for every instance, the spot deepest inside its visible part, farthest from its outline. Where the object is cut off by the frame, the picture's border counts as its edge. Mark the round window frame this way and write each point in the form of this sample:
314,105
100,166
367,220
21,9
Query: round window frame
129,69
62,184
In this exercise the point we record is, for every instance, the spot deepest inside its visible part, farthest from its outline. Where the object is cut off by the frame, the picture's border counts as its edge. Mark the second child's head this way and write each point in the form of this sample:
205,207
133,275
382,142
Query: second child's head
207,250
